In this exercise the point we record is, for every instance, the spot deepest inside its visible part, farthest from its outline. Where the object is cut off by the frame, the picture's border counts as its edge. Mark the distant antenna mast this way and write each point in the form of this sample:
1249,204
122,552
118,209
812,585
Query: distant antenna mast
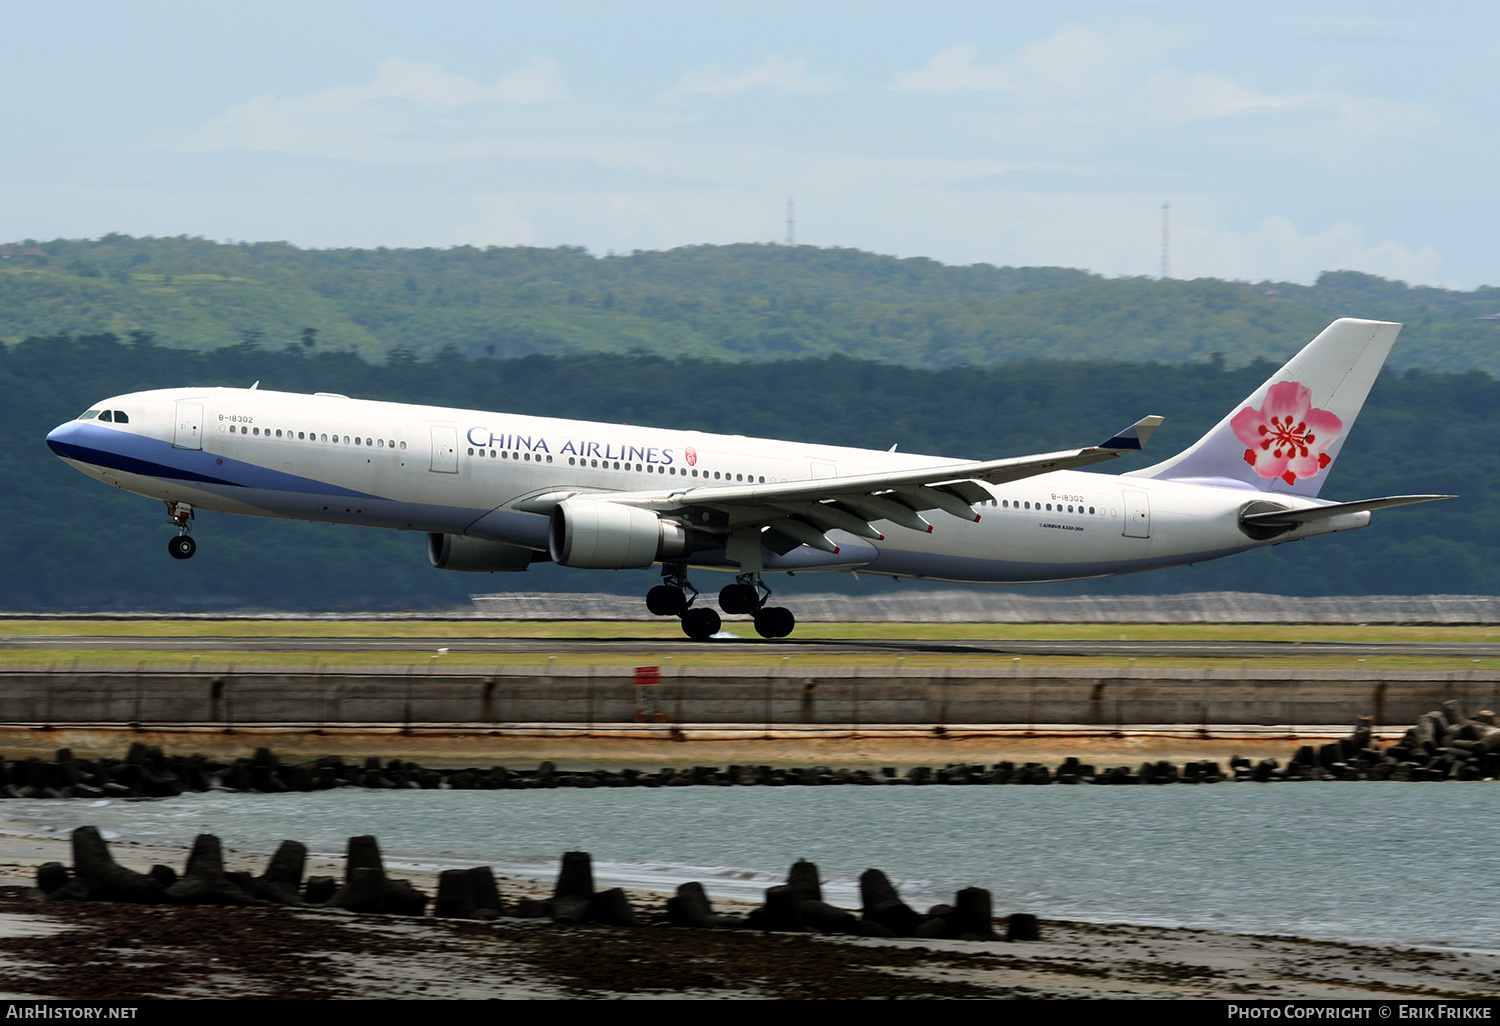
1166,209
791,223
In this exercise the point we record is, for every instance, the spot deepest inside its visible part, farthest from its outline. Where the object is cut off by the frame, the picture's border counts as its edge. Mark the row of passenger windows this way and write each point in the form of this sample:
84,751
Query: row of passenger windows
651,468
639,468
506,455
1050,507
313,436
108,416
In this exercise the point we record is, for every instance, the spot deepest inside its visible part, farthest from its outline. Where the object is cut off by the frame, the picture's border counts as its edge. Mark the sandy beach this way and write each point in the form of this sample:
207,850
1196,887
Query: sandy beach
125,952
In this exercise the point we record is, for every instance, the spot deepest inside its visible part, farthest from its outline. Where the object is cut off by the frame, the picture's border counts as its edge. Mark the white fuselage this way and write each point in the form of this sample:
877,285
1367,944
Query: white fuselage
470,473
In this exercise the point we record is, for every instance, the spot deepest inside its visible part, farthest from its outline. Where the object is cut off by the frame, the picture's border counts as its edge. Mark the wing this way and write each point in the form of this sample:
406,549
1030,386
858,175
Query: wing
804,511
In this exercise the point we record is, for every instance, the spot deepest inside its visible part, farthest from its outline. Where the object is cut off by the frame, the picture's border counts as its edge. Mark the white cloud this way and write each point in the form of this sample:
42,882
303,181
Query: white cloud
366,122
1114,78
1277,250
1073,61
1174,96
787,74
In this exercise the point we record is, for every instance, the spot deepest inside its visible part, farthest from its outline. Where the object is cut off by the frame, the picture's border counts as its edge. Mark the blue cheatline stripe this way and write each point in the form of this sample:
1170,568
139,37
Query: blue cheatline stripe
150,457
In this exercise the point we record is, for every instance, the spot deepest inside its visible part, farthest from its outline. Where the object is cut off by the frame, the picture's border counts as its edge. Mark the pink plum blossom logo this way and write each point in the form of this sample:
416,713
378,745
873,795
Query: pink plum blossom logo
1288,437
692,456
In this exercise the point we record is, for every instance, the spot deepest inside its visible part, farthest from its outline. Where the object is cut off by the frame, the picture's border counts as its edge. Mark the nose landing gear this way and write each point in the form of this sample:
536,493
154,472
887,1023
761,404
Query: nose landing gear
183,546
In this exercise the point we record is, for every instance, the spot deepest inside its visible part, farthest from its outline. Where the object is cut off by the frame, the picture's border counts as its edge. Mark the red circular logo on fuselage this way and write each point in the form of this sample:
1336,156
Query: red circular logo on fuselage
692,456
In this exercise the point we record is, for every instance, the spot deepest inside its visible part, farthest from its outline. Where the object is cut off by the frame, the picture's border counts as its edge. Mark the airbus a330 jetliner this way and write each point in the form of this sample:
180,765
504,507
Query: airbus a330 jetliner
499,492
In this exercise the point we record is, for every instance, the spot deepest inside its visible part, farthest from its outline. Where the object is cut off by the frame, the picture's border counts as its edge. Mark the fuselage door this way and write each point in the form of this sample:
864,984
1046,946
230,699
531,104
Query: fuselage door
444,449
189,431
1137,514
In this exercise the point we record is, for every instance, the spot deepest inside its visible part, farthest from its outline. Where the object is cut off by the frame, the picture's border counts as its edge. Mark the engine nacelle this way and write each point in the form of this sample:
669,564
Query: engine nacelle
477,555
598,535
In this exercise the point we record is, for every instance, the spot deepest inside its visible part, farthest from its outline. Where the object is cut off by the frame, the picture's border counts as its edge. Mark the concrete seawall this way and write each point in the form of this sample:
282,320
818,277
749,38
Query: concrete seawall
732,695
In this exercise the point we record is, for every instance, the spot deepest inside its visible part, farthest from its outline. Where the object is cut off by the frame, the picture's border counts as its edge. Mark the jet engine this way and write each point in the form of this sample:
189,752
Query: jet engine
477,555
595,535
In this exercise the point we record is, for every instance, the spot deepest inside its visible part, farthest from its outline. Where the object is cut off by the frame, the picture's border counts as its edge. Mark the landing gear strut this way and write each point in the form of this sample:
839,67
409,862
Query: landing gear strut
671,598
749,594
183,546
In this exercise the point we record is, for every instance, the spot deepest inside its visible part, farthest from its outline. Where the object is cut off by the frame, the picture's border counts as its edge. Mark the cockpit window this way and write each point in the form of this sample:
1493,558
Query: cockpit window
106,416
120,417
88,415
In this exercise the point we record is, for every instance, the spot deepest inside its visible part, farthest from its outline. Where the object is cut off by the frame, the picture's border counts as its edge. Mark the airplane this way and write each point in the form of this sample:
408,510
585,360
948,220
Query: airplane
498,492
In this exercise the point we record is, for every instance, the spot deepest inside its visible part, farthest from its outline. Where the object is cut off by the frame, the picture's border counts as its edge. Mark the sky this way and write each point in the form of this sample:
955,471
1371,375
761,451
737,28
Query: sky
1287,138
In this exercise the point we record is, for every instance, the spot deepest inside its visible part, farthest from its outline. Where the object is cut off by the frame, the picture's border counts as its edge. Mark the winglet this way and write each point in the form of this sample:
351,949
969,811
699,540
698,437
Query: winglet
1135,436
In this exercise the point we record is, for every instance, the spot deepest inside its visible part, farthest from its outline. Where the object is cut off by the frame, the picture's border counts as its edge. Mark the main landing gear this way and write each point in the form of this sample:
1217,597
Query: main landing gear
749,594
675,596
183,546
670,598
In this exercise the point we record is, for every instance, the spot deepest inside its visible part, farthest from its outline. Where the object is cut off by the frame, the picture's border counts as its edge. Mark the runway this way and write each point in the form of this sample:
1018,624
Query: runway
633,649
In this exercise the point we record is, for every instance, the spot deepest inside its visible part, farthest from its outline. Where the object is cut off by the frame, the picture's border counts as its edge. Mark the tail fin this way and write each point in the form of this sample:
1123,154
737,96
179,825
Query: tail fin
1286,435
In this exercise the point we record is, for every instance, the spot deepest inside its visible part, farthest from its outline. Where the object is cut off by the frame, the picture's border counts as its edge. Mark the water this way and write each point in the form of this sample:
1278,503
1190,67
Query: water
1412,863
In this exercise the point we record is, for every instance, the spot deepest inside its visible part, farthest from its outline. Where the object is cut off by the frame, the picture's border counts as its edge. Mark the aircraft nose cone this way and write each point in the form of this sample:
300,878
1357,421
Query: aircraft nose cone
60,437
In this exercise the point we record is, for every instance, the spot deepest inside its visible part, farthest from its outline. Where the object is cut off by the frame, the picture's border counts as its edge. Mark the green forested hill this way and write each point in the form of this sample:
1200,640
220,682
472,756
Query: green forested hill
72,543
742,303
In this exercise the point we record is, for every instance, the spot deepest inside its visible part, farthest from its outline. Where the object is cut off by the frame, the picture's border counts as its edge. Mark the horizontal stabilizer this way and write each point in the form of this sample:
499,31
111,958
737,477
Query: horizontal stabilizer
1307,514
